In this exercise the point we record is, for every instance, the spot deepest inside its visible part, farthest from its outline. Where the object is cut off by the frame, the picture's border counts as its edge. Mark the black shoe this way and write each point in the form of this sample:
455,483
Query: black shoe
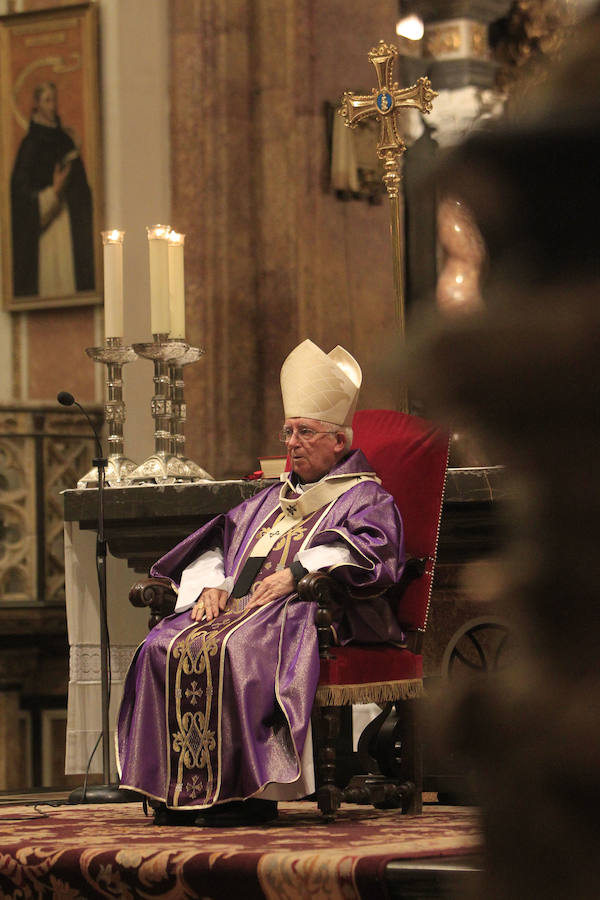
238,813
165,816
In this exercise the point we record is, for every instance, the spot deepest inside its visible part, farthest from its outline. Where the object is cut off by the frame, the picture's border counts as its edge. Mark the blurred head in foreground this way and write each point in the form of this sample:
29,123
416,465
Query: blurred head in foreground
524,368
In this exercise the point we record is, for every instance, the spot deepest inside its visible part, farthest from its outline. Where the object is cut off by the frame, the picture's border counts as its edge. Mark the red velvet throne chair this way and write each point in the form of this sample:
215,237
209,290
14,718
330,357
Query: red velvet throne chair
410,456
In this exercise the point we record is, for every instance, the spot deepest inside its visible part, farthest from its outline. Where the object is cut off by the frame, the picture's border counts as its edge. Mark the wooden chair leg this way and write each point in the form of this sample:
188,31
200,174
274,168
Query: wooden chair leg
412,754
326,728
392,746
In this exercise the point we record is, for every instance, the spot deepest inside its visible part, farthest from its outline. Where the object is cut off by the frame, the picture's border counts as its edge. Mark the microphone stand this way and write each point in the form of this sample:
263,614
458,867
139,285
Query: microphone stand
106,792
101,463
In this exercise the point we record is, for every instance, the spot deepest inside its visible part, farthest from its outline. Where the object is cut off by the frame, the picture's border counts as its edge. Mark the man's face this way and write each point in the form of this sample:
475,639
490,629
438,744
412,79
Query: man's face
313,458
47,105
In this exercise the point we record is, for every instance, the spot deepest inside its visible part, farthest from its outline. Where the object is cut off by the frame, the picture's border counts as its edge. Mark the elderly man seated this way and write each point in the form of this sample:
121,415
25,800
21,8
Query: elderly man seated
214,725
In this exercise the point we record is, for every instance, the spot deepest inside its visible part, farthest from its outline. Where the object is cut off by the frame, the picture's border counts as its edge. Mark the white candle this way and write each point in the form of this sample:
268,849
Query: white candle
176,285
158,248
113,283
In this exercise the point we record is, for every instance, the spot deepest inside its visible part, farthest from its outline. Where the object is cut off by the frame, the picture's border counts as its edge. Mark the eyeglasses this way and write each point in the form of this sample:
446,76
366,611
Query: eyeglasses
304,434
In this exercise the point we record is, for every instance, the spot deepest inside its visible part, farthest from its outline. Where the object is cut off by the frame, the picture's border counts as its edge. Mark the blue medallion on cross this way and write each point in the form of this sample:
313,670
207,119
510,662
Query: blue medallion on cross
384,102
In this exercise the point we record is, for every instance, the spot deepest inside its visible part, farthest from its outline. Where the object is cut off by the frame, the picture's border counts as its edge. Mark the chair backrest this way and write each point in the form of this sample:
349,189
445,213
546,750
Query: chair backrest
410,455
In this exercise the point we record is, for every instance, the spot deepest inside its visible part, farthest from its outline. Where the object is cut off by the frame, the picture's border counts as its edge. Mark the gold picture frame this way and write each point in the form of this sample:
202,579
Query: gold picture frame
50,159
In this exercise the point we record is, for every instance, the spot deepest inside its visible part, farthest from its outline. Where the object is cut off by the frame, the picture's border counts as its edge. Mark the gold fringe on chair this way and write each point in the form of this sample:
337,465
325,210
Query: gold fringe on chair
370,692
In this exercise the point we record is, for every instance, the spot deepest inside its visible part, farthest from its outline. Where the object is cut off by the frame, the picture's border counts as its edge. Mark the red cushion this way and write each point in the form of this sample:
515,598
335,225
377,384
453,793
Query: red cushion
410,456
365,664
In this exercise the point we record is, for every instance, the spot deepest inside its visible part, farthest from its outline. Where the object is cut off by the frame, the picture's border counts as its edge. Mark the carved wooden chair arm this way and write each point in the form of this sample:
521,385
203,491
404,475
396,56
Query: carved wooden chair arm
157,595
320,589
323,590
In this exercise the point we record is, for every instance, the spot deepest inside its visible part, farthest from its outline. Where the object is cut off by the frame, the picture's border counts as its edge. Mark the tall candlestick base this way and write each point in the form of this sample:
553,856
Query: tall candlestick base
192,355
114,356
163,467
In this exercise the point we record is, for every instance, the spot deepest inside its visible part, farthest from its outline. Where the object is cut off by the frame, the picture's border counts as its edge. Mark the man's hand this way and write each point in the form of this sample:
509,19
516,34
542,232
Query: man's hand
274,586
59,177
211,601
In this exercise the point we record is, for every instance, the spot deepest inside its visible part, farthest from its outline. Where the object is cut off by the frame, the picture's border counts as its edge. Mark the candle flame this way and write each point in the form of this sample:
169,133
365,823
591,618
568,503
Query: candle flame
113,237
176,238
158,232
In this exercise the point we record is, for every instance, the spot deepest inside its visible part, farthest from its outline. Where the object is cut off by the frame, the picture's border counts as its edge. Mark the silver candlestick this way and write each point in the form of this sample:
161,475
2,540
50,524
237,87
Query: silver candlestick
192,355
163,467
114,356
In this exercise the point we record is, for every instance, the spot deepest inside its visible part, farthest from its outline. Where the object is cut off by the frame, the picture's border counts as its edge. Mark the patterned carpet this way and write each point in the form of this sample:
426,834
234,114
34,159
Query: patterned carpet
101,851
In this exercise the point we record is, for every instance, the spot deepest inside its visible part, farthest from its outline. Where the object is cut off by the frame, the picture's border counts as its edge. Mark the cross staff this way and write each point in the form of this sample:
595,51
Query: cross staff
384,102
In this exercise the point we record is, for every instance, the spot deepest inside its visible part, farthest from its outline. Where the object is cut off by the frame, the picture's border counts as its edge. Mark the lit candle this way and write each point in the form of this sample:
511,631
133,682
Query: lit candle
176,285
158,248
113,283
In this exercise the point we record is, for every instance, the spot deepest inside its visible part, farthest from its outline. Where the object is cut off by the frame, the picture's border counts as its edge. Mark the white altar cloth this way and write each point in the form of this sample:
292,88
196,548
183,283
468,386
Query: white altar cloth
127,627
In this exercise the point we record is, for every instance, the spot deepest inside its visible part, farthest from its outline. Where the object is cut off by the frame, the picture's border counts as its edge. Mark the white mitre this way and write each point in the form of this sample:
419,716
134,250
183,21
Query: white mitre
317,385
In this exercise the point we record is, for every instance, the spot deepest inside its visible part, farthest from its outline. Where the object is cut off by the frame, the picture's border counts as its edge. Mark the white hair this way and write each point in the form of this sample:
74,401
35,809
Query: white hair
345,429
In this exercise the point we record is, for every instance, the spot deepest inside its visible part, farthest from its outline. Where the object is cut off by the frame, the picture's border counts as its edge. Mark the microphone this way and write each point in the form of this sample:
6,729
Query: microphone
67,399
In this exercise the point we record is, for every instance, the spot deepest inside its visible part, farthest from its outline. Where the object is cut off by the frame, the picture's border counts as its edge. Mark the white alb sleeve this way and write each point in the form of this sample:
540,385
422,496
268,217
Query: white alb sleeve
48,204
205,572
325,556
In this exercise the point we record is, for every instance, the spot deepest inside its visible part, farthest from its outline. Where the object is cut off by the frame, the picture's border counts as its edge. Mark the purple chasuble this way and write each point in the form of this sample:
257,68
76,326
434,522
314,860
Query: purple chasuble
214,711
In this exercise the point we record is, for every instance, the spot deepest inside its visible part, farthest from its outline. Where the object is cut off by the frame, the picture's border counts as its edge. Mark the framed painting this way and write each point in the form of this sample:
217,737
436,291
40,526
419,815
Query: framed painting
50,162
355,171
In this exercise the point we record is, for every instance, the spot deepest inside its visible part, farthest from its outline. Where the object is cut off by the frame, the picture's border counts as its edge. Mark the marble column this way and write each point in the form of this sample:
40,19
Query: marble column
212,203
272,257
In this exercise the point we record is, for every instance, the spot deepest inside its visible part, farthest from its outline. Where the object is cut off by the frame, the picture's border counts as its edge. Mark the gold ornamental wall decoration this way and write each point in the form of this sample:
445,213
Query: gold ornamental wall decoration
384,103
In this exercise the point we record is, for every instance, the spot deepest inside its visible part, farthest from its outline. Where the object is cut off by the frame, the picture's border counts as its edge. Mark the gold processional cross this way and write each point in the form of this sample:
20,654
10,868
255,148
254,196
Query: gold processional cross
384,102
